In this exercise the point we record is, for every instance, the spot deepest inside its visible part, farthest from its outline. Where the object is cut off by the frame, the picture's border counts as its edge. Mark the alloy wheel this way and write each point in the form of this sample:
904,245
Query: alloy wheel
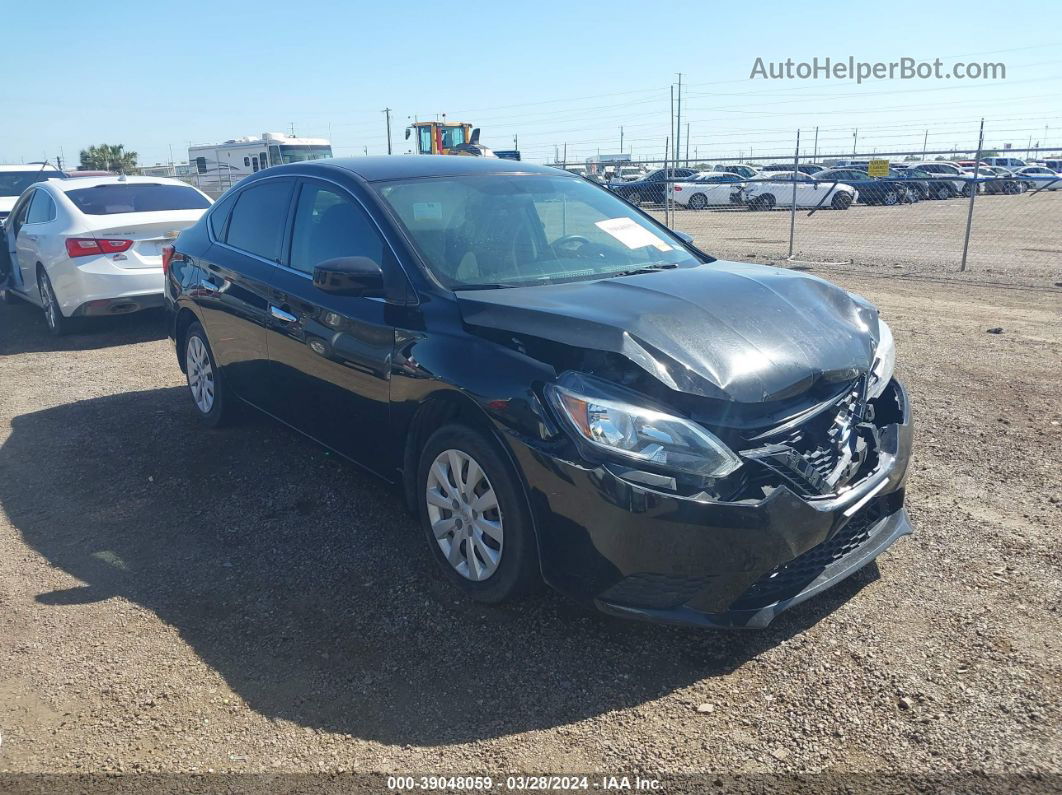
464,514
51,303
200,374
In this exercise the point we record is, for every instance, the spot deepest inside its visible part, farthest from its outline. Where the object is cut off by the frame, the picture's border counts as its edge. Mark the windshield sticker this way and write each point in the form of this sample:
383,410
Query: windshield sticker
631,234
427,211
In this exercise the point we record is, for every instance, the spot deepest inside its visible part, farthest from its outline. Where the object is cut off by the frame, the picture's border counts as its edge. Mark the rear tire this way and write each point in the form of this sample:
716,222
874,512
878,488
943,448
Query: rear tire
210,399
841,200
942,192
698,201
635,198
58,323
890,198
474,516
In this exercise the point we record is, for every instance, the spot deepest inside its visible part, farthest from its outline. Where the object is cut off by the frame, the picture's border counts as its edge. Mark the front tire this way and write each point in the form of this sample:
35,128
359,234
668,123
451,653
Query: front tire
635,198
474,516
762,203
942,192
212,404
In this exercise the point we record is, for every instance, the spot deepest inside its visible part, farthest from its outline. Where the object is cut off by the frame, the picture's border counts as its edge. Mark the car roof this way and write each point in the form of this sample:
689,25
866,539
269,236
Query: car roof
388,167
92,182
29,167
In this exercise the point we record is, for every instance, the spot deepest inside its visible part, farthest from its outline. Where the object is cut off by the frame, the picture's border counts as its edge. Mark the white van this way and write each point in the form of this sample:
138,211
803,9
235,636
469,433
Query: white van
1009,163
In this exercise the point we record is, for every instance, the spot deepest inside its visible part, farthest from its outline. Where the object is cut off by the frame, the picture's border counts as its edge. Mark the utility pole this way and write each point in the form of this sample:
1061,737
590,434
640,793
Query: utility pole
855,140
387,112
621,139
292,129
815,156
687,144
925,143
516,142
366,150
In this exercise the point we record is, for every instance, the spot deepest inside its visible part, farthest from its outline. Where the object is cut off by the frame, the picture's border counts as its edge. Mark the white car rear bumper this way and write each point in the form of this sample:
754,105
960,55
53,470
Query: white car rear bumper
96,286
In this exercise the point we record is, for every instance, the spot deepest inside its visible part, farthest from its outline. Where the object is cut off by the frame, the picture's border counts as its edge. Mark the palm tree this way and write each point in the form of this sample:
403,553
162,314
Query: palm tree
108,157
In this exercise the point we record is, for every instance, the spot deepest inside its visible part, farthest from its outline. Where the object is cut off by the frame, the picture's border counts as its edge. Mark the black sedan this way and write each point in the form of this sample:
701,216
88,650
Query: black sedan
651,188
564,389
872,190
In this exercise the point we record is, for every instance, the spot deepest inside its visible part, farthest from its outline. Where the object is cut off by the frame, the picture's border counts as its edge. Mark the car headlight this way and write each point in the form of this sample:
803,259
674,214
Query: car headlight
644,434
884,361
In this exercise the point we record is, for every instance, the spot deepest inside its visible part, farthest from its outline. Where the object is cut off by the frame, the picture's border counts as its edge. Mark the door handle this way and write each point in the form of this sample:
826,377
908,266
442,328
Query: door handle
280,314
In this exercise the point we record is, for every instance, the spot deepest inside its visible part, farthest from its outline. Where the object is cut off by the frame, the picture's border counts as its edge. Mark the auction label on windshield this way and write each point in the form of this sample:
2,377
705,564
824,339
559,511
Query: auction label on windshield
631,234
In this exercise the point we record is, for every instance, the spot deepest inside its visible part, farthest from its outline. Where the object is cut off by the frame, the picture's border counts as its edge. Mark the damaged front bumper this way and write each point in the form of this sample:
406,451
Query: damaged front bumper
638,552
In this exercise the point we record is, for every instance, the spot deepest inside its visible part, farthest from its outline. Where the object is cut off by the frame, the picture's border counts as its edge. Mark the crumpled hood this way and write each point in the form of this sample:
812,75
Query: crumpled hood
748,333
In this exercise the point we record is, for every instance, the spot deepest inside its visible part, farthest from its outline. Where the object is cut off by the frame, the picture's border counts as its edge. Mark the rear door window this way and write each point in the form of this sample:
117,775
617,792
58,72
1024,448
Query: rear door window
259,218
42,208
115,198
219,214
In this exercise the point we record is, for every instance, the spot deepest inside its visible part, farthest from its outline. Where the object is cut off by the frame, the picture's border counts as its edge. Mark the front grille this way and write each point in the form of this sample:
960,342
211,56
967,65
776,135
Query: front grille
789,579
822,454
659,591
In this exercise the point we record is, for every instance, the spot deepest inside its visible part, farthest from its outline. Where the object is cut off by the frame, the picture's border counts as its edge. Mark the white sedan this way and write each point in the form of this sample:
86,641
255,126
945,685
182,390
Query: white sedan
1033,177
93,245
709,189
776,190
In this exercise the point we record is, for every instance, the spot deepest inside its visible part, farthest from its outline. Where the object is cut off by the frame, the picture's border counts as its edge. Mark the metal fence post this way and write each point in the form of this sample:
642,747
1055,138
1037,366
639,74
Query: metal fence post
973,195
667,188
792,205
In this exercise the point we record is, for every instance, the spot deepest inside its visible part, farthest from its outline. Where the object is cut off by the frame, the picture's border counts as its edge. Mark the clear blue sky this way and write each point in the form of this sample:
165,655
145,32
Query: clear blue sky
162,74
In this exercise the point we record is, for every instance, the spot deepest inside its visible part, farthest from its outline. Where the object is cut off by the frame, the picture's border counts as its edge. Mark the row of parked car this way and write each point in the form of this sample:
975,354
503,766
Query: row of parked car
88,245
562,388
812,185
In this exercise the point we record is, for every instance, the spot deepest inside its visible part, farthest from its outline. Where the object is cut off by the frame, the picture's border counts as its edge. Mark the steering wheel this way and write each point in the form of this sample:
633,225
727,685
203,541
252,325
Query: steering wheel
572,244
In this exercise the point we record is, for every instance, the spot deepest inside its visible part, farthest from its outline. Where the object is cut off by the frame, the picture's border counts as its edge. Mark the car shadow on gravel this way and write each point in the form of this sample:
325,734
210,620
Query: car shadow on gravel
23,330
307,586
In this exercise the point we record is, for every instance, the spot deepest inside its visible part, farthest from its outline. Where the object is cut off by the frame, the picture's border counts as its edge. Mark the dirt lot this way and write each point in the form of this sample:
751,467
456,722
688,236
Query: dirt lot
1015,239
179,600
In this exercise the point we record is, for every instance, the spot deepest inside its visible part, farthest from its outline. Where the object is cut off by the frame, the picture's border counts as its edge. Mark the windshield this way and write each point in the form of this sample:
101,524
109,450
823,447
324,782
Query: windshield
136,198
13,183
296,153
516,230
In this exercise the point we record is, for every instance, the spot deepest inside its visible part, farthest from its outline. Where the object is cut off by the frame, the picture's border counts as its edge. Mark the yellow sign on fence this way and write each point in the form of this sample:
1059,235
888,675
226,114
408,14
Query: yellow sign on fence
878,168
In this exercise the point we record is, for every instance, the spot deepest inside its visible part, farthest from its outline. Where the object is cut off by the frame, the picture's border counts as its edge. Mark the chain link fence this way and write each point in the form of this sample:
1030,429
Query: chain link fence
935,212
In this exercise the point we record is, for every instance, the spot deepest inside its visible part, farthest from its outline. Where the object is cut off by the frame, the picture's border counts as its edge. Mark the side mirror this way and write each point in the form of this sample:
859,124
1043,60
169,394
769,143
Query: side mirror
356,276
687,239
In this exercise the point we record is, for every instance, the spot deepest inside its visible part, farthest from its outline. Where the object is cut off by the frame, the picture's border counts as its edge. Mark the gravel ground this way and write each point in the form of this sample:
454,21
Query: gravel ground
178,600
1015,239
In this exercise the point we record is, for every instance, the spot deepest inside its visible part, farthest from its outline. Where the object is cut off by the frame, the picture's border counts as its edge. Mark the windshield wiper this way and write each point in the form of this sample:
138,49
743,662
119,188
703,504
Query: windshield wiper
659,266
489,286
